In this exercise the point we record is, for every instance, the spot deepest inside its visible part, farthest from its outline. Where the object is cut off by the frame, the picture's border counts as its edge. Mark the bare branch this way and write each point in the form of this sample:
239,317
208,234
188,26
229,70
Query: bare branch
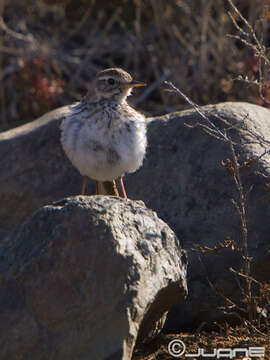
212,129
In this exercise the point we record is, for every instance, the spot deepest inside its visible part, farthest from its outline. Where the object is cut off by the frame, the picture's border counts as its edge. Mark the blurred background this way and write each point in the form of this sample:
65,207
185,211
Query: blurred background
51,49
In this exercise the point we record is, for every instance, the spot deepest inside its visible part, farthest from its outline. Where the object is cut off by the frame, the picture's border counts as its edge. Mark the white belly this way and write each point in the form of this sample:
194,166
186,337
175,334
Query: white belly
104,147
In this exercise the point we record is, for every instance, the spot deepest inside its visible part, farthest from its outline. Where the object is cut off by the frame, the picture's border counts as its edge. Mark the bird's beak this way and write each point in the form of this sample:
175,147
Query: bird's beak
134,83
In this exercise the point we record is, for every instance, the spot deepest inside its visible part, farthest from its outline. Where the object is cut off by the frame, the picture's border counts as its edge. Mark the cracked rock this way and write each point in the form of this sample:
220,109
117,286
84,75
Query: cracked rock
85,278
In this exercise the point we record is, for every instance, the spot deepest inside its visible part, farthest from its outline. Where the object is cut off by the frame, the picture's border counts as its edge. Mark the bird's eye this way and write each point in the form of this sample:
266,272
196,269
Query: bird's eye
111,81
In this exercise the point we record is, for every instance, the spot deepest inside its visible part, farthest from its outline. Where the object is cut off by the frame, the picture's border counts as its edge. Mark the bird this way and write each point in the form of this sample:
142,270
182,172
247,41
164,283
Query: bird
103,136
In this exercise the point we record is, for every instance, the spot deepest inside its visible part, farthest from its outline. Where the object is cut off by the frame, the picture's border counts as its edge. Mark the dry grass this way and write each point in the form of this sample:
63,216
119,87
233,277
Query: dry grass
238,338
50,50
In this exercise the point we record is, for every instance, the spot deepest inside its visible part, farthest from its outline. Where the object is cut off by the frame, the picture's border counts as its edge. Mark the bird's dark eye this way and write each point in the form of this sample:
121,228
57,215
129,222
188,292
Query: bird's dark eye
111,81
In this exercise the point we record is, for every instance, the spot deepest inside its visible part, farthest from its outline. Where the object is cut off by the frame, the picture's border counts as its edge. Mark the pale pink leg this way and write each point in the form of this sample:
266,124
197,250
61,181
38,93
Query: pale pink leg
122,186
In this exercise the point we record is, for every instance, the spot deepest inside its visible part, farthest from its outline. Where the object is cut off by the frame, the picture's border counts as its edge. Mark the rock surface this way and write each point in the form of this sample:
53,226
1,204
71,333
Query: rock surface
184,182
34,169
181,179
84,277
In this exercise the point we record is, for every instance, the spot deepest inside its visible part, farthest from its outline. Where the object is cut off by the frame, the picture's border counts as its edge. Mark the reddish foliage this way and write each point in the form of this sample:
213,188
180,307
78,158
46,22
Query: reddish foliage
38,85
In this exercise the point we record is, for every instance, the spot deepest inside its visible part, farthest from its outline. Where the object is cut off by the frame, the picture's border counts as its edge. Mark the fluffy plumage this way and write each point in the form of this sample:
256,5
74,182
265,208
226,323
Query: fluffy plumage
104,137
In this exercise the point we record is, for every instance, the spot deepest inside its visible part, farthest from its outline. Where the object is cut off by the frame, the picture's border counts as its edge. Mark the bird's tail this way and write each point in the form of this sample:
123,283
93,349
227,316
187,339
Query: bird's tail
107,188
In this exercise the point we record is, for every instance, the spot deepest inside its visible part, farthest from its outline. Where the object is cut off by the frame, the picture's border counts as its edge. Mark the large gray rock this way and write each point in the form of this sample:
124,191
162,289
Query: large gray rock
34,169
85,278
181,179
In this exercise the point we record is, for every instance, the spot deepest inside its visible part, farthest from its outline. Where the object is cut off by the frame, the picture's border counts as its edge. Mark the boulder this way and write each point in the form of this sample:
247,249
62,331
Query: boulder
34,169
181,179
184,182
86,277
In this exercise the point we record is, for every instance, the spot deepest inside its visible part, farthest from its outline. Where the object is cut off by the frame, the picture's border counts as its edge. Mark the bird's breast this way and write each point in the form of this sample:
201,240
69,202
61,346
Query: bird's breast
106,143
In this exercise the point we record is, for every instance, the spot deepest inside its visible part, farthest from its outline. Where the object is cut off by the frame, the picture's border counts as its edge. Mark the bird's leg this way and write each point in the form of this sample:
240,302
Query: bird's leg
106,188
115,188
120,178
84,184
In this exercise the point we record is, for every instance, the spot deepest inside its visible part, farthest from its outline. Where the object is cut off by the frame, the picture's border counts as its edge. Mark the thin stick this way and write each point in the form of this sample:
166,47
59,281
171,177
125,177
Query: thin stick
197,108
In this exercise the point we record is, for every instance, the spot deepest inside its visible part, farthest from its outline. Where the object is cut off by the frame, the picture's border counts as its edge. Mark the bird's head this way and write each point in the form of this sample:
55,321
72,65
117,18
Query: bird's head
115,84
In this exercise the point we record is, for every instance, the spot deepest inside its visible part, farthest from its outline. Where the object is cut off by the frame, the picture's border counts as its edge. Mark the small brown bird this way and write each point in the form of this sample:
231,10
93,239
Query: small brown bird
103,136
